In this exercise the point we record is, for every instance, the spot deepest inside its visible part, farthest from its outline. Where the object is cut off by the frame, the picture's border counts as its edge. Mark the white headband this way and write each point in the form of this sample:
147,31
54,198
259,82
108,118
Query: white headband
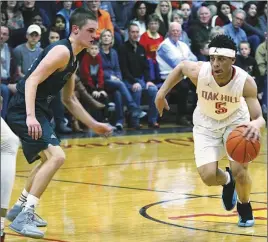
222,51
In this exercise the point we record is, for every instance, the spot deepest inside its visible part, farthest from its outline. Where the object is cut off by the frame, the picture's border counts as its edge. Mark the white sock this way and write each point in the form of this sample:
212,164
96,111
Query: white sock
2,223
32,202
228,178
238,200
23,198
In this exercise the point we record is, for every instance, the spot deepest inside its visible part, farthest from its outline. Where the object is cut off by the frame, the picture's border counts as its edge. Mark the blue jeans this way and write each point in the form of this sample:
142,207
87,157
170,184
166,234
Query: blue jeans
5,93
119,90
151,93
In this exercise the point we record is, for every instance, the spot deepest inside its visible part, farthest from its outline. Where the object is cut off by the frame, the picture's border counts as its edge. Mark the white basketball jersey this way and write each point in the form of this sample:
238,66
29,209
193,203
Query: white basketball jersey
220,102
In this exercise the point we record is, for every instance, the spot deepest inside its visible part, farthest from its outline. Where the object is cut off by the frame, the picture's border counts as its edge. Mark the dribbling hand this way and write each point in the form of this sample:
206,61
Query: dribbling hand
161,103
252,131
34,128
103,129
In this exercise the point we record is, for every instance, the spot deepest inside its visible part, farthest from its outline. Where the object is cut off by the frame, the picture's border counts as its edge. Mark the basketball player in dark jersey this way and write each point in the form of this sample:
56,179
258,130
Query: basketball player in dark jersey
29,116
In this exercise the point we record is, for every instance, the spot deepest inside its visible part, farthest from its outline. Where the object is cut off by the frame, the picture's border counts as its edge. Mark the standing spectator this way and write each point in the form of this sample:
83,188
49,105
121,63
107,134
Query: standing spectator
151,40
66,12
113,82
164,11
135,70
8,69
26,53
169,54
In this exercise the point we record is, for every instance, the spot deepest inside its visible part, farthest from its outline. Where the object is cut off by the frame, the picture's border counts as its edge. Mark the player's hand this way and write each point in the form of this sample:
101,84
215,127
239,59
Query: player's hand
103,129
161,103
34,128
252,131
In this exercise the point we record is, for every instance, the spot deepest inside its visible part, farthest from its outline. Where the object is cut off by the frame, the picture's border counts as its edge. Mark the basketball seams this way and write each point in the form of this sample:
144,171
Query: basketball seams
245,151
241,139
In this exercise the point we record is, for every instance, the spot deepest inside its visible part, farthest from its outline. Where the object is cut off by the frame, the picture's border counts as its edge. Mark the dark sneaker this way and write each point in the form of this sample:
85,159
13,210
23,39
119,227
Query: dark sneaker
246,218
3,236
229,195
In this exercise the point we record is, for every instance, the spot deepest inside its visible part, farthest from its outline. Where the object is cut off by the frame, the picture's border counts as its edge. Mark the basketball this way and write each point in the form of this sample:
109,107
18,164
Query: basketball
240,149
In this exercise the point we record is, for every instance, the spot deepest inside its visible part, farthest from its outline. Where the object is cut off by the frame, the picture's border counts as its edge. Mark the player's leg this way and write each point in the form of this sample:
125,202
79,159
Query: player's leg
22,224
20,204
243,188
209,149
9,148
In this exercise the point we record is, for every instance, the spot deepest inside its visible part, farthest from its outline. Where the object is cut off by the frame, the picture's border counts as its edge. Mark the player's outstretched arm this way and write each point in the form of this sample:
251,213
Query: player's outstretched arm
76,109
185,68
56,59
250,95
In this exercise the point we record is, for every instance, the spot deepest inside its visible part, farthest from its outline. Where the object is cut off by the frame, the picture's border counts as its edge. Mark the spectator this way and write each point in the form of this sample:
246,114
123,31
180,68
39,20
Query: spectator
199,31
104,18
66,12
261,58
37,19
217,30
169,54
26,53
164,11
224,14
4,18
234,30
251,25
177,16
60,25
135,72
263,18
113,81
15,18
8,69
151,40
186,10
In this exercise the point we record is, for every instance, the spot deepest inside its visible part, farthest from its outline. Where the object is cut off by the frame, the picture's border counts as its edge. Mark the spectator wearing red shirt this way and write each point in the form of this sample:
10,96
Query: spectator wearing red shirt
150,40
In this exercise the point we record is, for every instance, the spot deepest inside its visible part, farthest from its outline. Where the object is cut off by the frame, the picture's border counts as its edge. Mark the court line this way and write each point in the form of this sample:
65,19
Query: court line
115,164
46,239
143,212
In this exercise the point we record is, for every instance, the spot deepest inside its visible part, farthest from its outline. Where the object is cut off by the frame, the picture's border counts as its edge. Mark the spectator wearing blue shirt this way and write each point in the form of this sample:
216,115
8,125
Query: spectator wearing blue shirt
113,81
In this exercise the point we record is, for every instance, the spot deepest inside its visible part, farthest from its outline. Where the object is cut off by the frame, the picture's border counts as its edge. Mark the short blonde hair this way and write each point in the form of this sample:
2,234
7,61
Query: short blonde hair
103,32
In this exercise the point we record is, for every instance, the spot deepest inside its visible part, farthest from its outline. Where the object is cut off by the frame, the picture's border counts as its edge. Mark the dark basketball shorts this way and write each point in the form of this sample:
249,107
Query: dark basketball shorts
16,119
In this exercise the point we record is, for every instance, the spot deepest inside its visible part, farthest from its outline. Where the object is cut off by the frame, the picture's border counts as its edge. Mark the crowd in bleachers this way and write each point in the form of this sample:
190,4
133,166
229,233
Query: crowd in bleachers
138,44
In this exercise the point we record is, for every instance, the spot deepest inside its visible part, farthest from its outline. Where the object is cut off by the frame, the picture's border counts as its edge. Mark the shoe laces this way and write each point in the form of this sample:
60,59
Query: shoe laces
30,218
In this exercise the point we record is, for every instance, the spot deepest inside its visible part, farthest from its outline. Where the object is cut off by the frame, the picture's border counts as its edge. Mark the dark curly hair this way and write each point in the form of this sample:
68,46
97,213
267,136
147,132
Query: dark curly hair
223,41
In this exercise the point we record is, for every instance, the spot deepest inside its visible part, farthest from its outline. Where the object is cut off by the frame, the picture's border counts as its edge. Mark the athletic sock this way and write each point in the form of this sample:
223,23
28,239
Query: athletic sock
228,178
32,202
23,198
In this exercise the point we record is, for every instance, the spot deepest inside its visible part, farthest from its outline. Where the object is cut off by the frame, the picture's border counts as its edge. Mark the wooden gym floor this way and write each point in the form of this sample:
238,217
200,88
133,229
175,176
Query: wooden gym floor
140,188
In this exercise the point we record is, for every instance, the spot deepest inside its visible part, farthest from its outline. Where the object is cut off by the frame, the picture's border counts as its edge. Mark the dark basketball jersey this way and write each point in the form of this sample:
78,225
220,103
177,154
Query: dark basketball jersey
55,82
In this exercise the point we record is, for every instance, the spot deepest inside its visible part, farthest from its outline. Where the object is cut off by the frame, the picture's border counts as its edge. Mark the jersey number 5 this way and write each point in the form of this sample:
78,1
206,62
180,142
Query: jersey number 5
220,108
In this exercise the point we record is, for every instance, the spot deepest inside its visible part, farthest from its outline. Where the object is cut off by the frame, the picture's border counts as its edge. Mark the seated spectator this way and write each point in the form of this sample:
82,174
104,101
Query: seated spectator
104,18
251,25
37,19
263,17
234,29
66,12
26,53
135,70
15,18
224,14
150,40
199,31
113,81
4,18
92,76
177,16
186,10
169,54
8,69
247,62
60,25
261,58
217,30
164,11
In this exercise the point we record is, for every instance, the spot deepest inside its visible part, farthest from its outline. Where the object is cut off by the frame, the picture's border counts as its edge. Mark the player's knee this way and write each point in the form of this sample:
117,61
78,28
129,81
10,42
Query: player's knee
59,159
208,177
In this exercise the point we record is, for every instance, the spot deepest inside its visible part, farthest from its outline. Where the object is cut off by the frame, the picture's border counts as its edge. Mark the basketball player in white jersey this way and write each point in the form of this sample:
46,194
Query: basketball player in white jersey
9,148
227,98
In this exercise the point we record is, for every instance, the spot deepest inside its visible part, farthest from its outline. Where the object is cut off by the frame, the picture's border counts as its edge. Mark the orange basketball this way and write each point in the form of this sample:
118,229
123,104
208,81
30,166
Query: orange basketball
240,149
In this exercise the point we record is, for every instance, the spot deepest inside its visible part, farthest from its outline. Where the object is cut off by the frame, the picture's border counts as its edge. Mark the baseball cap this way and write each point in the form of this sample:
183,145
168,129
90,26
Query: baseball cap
34,28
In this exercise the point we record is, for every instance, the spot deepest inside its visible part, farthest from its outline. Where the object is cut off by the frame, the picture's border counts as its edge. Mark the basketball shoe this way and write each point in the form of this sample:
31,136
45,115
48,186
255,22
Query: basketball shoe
229,195
16,209
246,218
24,224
